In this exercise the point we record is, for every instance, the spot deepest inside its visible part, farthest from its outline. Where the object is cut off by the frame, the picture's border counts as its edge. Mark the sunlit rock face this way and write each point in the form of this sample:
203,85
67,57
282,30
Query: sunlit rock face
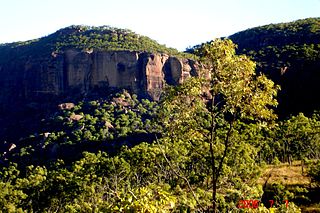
81,71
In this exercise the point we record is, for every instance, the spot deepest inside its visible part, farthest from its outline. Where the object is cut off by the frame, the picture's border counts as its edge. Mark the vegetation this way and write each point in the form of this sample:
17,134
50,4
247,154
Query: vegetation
289,53
235,94
85,38
21,115
203,148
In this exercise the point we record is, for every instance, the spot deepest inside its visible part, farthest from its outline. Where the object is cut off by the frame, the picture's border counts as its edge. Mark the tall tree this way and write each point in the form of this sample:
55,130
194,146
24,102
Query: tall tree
210,125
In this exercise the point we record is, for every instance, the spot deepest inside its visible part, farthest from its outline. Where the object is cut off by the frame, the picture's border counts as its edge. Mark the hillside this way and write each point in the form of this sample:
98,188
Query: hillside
116,152
77,62
95,120
290,54
85,38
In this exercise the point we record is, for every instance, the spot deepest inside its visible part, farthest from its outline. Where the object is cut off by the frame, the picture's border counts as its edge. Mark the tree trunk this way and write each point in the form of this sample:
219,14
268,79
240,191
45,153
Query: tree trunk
214,196
213,166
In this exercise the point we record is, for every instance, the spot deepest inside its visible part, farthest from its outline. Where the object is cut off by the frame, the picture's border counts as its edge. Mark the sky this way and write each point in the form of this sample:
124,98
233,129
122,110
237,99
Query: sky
175,23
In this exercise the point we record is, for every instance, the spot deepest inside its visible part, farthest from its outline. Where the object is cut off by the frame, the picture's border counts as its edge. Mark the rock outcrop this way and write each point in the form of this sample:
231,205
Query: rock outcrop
81,71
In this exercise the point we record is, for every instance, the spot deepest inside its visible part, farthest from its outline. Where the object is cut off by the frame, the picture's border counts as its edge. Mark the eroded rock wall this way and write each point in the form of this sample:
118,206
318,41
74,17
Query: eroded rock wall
74,70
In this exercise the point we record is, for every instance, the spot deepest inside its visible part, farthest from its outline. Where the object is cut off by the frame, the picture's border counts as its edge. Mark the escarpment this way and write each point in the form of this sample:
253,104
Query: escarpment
78,64
76,71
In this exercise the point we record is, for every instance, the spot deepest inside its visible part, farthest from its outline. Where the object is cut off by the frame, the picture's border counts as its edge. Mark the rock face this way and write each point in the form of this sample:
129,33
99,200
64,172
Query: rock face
74,70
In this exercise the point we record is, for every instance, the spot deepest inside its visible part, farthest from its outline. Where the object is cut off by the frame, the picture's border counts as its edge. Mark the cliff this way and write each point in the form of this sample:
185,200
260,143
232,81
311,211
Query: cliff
78,59
81,71
80,62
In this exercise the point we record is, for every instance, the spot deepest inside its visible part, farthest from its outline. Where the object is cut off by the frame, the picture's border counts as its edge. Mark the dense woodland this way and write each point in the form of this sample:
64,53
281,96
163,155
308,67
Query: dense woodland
85,38
201,148
24,116
289,53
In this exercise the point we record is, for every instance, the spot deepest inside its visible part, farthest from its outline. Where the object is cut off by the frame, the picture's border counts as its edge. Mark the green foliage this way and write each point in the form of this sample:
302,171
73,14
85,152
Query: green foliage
204,143
87,38
296,138
103,125
10,197
292,207
276,161
304,31
210,135
288,53
314,172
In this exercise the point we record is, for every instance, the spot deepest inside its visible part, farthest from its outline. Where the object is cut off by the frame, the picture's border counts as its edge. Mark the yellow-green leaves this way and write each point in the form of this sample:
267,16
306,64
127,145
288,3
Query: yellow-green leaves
233,77
202,120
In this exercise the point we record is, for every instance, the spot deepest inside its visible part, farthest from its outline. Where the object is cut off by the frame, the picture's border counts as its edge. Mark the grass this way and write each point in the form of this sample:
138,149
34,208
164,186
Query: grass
291,176
285,174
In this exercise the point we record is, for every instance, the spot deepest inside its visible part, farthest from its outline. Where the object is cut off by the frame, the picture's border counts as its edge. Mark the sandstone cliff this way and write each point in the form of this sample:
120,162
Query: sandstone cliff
28,79
80,63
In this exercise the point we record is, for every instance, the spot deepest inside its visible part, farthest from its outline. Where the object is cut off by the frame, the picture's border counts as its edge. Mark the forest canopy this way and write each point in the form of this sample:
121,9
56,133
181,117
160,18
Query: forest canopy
201,148
230,139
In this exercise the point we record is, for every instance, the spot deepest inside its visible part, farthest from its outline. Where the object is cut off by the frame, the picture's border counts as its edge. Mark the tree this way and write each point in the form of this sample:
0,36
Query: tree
208,129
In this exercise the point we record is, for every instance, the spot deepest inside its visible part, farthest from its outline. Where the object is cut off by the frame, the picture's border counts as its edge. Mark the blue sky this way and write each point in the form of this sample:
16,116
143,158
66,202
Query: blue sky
175,23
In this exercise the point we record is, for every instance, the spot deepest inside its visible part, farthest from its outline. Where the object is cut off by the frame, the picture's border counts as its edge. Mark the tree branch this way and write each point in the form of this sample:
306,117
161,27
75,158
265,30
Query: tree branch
226,142
178,175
